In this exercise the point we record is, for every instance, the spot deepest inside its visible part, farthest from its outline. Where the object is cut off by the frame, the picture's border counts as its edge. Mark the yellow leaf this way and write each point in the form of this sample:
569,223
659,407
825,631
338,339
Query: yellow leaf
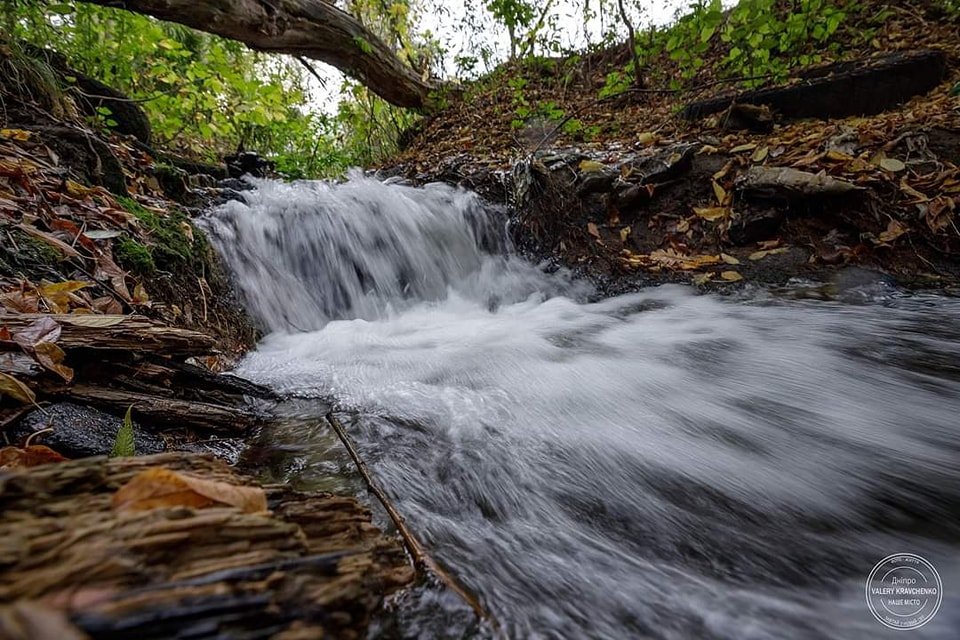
10,386
760,255
78,190
720,193
67,286
760,154
159,488
51,357
712,213
624,234
702,278
709,149
591,166
140,295
838,156
15,134
743,147
647,138
728,259
731,276
892,164
895,229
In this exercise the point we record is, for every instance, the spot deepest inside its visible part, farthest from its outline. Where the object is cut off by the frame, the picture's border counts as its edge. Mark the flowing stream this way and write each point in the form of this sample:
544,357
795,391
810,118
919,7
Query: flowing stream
660,464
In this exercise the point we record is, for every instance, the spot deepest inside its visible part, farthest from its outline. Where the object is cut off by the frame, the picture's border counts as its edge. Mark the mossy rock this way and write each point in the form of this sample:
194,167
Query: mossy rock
167,245
134,256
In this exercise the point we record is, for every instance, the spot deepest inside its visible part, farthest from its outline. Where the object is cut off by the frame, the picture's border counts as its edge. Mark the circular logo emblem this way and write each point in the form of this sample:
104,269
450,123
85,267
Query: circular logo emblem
904,591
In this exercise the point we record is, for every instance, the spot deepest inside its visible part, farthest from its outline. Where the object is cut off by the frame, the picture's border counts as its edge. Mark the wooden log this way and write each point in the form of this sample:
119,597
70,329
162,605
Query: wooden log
855,88
179,572
162,411
118,333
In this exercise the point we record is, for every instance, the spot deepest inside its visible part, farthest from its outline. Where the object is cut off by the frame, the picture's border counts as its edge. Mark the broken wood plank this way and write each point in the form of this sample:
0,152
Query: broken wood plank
117,333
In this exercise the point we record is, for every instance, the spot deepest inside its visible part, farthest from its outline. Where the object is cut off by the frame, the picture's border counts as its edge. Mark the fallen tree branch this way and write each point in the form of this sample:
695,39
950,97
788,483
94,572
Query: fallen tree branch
421,560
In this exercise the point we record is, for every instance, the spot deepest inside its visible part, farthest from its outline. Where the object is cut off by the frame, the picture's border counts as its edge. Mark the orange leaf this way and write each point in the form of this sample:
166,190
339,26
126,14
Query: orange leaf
32,456
158,488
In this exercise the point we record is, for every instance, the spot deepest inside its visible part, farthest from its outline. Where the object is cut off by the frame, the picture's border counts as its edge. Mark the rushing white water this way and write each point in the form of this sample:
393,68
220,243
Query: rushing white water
661,464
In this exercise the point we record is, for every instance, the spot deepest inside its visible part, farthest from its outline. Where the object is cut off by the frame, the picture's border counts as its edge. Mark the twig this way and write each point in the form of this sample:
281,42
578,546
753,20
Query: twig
632,40
313,72
421,560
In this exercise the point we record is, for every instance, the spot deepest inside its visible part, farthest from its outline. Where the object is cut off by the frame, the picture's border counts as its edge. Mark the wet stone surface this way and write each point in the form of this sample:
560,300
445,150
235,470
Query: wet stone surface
77,431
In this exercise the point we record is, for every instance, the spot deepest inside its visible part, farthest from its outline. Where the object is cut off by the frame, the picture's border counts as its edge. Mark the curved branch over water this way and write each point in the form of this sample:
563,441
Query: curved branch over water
307,28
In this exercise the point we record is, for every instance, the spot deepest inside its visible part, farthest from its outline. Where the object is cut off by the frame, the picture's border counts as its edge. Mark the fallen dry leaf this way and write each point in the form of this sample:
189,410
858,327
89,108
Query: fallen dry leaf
731,276
728,259
10,386
712,214
760,255
32,456
43,329
158,488
51,357
895,229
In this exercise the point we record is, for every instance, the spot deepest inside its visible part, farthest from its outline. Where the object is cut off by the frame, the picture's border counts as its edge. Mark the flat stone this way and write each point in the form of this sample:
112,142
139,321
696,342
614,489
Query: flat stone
79,431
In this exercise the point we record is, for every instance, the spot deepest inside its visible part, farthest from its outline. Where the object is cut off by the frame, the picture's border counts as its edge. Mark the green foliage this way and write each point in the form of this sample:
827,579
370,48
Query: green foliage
514,15
757,40
203,95
616,83
124,446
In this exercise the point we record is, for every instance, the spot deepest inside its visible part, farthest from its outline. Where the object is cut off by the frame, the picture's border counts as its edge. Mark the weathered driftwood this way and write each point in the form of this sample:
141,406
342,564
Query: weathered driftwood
314,564
118,333
790,183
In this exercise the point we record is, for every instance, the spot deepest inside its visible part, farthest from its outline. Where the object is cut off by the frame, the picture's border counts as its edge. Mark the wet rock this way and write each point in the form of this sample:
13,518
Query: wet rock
248,163
664,166
79,431
748,117
755,225
173,181
632,196
596,182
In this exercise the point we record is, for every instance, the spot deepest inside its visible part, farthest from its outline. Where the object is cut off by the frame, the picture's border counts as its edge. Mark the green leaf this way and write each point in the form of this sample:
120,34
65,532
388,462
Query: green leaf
61,8
124,446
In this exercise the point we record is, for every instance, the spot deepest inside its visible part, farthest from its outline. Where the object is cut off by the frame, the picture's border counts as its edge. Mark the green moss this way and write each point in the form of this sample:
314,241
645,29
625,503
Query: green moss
35,250
168,246
134,256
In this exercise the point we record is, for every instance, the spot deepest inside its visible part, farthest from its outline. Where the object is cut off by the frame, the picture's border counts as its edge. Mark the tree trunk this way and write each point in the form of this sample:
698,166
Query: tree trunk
310,28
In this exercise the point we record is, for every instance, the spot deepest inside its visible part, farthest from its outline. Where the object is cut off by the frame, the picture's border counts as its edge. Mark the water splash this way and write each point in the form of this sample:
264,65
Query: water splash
661,464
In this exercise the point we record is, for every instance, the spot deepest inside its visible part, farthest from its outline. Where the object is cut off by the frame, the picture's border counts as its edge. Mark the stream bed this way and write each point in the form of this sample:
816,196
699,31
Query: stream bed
660,464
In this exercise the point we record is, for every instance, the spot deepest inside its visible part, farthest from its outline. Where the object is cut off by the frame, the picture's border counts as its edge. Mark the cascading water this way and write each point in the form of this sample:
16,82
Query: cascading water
660,464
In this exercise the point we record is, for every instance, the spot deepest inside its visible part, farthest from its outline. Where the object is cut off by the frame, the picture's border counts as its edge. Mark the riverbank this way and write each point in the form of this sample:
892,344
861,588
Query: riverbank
852,162
117,320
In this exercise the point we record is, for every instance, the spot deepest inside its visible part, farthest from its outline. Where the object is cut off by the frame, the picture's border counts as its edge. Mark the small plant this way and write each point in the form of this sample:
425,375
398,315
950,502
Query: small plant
124,446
